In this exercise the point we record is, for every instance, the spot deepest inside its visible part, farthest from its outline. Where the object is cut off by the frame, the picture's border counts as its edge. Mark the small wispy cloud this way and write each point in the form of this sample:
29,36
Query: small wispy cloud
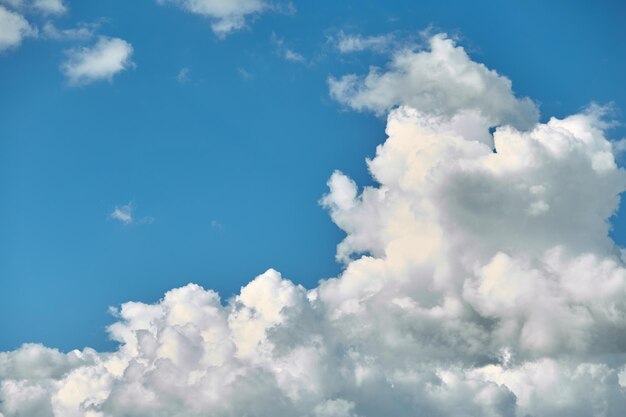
183,75
283,50
357,43
126,215
293,56
83,31
123,213
243,73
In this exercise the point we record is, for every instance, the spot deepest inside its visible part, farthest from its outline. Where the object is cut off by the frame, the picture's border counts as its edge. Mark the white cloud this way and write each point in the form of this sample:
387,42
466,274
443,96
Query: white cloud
13,29
243,73
458,298
284,51
47,7
357,43
443,81
101,61
183,75
293,56
83,31
55,7
225,15
126,214
123,213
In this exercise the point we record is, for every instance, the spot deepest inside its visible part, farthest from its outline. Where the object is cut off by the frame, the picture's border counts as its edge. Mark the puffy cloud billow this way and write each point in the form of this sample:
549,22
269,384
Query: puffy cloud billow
442,80
475,284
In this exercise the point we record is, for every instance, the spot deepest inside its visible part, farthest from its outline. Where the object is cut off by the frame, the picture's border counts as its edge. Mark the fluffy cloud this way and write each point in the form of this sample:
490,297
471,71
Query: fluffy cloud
225,15
442,80
475,284
47,7
101,61
13,29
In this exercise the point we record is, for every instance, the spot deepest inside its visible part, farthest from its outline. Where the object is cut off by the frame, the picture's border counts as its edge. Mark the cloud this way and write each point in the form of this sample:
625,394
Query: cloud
101,61
46,7
123,213
50,6
357,43
13,29
84,31
457,297
183,75
245,74
284,51
225,16
293,56
443,81
126,215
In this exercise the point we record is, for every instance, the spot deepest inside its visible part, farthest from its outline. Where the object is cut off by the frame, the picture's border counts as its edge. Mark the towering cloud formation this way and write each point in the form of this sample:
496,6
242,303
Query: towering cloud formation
476,284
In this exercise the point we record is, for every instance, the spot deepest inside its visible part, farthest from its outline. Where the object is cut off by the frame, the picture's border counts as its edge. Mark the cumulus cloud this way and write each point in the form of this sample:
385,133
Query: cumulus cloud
13,29
475,284
47,7
101,61
441,80
225,15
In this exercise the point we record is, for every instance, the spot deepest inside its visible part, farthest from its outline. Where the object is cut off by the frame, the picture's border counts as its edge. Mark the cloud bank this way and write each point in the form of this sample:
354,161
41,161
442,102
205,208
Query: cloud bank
101,61
476,284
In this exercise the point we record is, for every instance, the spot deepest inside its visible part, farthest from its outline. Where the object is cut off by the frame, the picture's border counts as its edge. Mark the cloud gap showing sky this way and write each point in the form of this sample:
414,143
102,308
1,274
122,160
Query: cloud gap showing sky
475,283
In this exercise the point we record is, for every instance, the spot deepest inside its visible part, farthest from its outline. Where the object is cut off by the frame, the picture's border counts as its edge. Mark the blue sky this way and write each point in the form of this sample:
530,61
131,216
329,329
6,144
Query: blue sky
224,166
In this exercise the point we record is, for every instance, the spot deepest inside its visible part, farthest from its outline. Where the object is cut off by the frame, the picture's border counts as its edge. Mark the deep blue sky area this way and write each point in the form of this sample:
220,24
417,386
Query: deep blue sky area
225,171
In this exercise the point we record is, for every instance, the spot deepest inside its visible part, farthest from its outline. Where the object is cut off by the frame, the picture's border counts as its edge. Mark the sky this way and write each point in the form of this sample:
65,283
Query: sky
342,153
